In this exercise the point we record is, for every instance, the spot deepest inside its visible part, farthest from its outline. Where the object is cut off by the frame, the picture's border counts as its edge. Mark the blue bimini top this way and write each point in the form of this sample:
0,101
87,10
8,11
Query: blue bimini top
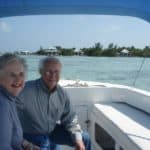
135,8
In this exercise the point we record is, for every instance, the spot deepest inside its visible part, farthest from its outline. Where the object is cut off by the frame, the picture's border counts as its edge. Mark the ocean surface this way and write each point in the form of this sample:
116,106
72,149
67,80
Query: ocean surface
119,70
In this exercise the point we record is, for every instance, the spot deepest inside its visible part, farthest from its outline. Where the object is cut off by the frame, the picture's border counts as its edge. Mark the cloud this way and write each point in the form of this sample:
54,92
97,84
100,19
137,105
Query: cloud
111,28
4,27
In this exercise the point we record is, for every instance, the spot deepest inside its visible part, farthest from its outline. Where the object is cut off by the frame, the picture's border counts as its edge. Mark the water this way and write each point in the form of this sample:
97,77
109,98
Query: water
119,70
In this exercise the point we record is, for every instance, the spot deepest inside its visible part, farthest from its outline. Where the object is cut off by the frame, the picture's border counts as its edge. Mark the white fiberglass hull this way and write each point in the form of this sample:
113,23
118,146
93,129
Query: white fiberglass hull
122,112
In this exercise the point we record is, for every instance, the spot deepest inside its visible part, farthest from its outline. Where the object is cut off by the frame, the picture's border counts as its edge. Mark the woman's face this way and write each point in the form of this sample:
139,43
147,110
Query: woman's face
13,77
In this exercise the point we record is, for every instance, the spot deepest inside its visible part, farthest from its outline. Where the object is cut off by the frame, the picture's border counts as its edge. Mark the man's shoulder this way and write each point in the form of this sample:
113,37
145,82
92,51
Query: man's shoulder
31,83
61,90
29,88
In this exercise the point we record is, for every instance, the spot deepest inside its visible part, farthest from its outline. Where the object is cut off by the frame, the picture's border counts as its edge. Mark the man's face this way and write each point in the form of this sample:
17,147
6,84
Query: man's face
51,74
13,77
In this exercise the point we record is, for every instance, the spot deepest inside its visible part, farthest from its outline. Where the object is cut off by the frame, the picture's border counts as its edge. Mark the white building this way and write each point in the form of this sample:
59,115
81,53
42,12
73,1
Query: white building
124,52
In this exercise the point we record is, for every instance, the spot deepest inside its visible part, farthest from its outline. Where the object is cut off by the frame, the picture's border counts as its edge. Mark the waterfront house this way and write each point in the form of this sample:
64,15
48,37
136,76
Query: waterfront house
124,52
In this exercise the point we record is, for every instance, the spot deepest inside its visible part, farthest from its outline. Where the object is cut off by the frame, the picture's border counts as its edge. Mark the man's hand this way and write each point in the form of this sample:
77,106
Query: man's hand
29,146
79,145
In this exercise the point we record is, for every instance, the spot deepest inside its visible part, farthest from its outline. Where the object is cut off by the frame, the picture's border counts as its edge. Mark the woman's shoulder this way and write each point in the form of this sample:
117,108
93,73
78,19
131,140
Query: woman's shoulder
4,103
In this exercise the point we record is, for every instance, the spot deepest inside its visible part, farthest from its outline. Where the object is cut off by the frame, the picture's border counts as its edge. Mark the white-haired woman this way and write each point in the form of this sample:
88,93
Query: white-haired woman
12,78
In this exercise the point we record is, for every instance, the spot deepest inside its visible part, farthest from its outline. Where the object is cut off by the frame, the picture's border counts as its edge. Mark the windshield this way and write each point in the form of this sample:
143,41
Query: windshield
100,48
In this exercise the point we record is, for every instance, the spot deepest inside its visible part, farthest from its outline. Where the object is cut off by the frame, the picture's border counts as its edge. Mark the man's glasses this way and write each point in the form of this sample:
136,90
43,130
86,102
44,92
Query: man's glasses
50,72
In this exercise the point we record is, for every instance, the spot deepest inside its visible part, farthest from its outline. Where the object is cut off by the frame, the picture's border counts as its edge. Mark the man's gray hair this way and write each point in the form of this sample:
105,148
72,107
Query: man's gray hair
47,60
8,57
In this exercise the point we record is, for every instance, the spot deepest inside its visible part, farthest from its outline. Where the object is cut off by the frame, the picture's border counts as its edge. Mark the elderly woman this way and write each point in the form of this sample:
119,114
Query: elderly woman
12,78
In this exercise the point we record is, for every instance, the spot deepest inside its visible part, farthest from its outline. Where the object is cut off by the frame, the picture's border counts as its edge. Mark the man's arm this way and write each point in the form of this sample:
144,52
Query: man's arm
79,145
26,145
70,120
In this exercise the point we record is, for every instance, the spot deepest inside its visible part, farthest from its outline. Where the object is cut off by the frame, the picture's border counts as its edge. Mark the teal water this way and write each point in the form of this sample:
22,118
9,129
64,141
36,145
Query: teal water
119,70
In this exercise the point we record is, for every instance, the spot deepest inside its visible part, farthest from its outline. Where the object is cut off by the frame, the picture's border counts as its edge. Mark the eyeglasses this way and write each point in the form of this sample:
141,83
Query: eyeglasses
50,72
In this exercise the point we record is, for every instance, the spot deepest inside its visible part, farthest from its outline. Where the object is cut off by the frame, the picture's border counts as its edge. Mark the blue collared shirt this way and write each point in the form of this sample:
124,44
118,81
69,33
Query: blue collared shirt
10,127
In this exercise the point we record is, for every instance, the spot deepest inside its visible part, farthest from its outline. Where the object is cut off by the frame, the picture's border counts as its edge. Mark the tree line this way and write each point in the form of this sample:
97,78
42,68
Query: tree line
97,50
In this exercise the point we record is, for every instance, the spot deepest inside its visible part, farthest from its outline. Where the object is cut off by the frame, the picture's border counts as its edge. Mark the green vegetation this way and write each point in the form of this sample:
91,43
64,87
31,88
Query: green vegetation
97,50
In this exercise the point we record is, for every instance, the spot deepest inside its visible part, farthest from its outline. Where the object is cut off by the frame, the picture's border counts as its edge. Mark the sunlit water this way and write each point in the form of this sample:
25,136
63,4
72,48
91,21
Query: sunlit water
119,70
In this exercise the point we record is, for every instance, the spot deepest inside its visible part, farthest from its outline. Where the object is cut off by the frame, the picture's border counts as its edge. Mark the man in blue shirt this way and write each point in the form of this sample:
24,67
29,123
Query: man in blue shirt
44,104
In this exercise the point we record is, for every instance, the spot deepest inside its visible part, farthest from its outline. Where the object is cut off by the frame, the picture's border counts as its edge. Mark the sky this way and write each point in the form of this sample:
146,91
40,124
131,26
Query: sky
79,31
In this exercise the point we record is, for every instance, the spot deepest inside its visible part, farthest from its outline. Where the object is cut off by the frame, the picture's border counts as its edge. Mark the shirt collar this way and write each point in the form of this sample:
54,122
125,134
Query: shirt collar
6,93
45,88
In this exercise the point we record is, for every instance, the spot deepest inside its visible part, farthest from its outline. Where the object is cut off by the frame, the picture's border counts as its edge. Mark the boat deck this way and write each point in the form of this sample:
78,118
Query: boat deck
128,126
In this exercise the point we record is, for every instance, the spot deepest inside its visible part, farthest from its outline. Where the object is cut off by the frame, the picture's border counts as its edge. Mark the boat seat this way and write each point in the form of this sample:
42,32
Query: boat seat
127,125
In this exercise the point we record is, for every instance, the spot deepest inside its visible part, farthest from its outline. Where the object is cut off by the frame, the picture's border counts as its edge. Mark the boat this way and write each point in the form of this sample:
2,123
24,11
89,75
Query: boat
116,116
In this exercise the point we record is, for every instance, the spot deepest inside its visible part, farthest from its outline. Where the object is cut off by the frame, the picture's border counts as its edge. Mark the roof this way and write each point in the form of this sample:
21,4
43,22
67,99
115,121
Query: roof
136,8
125,51
52,48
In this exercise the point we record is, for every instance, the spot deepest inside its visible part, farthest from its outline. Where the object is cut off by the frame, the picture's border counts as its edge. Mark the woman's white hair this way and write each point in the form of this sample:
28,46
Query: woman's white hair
8,57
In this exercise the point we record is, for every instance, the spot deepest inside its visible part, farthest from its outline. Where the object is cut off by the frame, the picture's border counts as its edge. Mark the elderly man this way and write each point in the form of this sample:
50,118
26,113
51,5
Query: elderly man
45,103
